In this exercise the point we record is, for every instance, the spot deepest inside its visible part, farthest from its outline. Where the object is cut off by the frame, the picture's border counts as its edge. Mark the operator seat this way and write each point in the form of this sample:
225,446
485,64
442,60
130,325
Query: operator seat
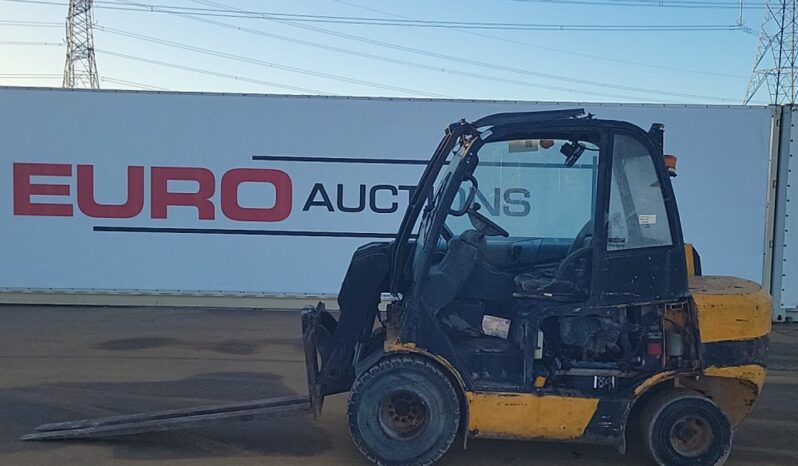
447,277
568,280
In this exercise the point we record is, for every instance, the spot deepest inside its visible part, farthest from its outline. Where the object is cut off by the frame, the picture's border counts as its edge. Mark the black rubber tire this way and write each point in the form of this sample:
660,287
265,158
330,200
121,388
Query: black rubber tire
404,375
660,415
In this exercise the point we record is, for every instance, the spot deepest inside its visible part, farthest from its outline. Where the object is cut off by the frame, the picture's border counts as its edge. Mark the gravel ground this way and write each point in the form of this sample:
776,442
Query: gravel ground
64,363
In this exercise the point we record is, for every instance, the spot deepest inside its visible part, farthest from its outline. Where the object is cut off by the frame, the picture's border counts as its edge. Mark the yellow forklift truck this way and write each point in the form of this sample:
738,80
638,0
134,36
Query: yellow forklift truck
540,289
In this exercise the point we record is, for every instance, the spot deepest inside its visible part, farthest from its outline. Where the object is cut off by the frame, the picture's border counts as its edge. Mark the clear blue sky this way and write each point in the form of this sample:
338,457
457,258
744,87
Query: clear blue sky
541,72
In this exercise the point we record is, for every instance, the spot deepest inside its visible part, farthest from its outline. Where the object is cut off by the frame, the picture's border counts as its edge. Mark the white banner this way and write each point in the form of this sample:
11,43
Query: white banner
169,192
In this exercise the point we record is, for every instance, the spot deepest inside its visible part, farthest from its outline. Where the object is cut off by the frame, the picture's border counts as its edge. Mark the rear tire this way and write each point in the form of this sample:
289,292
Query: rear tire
403,411
681,427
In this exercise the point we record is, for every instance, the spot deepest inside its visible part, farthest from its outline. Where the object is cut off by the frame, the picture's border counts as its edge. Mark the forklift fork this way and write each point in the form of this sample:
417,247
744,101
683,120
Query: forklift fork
316,336
317,329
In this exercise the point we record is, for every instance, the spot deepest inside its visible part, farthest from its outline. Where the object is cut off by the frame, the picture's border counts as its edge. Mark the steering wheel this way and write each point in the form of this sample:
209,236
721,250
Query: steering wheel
483,224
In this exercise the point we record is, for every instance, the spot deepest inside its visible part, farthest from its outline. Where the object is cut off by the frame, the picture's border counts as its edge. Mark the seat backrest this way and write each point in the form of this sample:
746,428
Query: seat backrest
447,277
583,238
566,271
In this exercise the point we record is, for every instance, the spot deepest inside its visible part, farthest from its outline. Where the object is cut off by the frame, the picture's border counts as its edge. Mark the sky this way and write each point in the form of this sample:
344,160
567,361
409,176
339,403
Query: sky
178,52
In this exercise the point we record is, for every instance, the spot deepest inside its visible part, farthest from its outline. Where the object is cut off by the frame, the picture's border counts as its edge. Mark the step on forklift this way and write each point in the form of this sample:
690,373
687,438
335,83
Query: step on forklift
540,288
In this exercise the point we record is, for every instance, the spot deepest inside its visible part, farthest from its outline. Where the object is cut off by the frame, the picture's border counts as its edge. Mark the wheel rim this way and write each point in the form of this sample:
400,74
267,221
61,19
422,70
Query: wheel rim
402,414
691,436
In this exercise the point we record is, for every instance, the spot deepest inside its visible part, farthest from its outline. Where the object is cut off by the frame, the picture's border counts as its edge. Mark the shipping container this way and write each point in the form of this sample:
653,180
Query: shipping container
114,195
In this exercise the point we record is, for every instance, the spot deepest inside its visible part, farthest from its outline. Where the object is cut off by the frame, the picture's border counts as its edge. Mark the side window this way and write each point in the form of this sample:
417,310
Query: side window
637,216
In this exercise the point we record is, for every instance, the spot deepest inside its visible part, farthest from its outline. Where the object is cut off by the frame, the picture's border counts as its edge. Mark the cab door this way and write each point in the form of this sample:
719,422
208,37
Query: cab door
640,246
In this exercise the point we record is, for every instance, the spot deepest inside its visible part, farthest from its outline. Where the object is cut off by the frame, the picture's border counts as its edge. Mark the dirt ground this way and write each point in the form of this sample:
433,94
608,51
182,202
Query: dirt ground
64,363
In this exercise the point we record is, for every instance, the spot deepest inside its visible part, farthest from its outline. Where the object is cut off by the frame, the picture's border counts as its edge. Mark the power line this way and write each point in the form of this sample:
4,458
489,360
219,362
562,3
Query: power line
259,62
29,75
411,22
104,78
234,13
35,24
435,68
435,24
211,73
490,78
132,84
656,4
31,44
557,50
250,60
351,20
435,55
478,63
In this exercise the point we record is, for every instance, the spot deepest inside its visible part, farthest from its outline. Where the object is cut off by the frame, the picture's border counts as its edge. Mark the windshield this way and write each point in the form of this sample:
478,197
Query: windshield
533,188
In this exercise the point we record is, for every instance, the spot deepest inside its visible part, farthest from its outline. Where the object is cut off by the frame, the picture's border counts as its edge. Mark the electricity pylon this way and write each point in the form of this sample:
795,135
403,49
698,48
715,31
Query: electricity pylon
80,69
775,64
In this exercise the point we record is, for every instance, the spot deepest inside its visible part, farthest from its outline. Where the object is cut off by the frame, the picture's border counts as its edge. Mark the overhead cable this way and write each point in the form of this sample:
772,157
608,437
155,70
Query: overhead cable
210,72
558,50
351,20
259,62
478,63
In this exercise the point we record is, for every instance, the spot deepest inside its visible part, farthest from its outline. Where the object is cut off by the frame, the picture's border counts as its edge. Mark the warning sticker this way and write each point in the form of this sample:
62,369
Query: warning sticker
495,326
524,145
647,219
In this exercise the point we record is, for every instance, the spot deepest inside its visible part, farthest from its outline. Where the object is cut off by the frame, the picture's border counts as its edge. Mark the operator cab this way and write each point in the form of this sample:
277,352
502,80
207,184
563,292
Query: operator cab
533,210
558,229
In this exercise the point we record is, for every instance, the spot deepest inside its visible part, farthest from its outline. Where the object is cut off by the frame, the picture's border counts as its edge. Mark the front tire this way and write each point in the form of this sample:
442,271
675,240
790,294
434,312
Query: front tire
681,427
403,411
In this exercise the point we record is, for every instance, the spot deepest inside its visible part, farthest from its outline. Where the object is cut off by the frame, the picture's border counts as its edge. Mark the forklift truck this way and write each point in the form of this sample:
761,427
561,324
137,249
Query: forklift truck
539,288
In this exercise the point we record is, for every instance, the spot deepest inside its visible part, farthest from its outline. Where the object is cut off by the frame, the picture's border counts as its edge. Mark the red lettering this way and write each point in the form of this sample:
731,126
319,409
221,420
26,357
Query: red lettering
162,198
90,207
282,195
24,189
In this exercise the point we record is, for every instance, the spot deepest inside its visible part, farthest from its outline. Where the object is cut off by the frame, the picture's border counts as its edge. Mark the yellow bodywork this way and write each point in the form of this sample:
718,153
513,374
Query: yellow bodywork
726,309
688,255
734,388
526,416
754,374
653,380
730,308
515,415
